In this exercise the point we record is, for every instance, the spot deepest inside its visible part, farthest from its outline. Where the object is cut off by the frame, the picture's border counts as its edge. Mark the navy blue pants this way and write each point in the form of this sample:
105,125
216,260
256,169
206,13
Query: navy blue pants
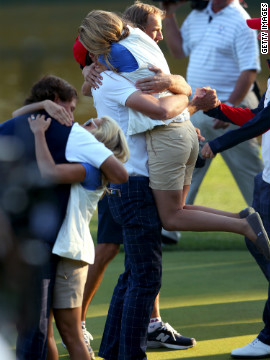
109,231
125,333
261,203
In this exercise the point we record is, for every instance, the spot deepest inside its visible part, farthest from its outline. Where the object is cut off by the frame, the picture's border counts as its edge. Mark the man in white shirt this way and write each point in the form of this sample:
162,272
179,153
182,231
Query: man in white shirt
223,53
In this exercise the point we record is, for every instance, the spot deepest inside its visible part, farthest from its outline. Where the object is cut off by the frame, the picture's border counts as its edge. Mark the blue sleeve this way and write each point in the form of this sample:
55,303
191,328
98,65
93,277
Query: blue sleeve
120,58
254,127
92,180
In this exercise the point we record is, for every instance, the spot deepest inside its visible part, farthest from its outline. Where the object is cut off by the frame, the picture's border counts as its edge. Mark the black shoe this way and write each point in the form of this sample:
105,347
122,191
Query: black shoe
245,212
170,237
262,241
166,336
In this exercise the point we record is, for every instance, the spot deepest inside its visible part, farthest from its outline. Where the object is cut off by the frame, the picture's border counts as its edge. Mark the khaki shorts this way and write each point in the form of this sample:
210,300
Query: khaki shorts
172,154
69,285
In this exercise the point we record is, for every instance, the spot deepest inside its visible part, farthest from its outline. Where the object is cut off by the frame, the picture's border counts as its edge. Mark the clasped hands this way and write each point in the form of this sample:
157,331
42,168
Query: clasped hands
205,99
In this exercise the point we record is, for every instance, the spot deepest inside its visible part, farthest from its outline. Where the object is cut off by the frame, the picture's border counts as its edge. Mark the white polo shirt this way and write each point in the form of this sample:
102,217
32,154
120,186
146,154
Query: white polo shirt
110,99
82,146
220,46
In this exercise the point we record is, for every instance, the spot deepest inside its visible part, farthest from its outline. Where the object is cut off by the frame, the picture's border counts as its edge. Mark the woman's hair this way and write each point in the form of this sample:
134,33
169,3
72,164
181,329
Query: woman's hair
99,29
138,14
49,87
112,136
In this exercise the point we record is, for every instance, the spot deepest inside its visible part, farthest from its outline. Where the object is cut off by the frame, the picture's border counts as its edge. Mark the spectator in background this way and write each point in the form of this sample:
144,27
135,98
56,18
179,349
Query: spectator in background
223,53
254,122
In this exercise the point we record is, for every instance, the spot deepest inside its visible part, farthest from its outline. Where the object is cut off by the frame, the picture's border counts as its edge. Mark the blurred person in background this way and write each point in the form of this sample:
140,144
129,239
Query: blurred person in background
253,123
223,53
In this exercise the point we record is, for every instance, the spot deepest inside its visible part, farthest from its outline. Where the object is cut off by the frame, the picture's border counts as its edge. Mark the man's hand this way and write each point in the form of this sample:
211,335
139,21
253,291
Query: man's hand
58,112
200,137
219,124
92,75
204,99
207,151
154,84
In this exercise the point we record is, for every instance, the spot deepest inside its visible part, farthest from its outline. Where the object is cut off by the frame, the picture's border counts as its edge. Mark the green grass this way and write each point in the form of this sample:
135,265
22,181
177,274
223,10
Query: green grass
215,296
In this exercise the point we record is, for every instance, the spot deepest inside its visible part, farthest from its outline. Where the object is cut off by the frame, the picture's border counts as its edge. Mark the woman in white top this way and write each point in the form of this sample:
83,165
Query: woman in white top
74,243
172,149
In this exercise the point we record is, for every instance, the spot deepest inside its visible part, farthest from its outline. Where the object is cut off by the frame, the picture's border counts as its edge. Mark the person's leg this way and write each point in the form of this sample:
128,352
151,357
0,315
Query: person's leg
68,322
104,253
261,203
204,123
174,217
67,300
125,337
52,353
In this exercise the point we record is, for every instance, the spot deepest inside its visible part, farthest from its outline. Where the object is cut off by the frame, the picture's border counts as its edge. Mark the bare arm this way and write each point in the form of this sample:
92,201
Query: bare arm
86,89
58,173
161,81
159,109
56,111
112,168
242,86
172,34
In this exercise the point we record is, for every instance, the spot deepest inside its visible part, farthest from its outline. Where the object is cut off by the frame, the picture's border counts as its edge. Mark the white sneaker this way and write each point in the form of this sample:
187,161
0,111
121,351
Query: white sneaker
254,350
87,337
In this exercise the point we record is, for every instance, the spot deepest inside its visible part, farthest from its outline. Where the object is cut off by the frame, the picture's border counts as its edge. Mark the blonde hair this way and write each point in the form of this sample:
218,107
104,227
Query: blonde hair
138,14
99,29
111,135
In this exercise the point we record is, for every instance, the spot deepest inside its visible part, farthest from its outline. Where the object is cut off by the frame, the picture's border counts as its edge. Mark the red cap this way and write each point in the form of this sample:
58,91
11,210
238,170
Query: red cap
79,52
256,23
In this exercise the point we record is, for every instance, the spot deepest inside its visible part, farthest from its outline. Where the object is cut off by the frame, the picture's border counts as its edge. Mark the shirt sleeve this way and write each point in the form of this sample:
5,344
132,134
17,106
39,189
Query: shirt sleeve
117,87
92,180
120,58
246,49
254,127
83,147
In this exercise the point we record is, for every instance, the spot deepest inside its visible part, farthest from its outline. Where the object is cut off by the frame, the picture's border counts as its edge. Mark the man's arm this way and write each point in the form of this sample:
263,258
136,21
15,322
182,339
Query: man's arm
256,126
163,108
161,82
172,34
56,111
242,86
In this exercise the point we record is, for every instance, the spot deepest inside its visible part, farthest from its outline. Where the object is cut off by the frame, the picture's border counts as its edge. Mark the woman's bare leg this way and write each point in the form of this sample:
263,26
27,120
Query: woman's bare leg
52,353
68,322
176,217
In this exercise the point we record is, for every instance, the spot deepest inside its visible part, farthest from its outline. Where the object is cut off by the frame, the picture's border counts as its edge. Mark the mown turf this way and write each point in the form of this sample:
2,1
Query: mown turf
215,296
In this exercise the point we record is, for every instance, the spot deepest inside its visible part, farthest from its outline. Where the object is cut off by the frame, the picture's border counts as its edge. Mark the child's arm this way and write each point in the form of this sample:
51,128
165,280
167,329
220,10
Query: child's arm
56,111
